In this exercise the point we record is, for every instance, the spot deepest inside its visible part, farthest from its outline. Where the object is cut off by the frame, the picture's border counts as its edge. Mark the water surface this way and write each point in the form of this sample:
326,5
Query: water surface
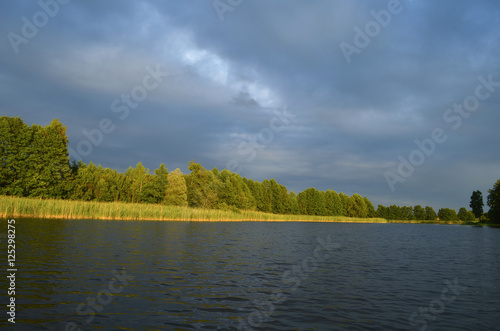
137,275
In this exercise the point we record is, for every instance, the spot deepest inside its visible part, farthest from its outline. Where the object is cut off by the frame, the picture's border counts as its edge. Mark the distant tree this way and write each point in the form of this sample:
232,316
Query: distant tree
139,178
419,213
312,202
465,215
370,209
477,203
201,186
294,206
333,204
154,190
357,207
407,213
176,190
34,160
447,214
382,212
278,201
494,203
346,202
394,213
430,214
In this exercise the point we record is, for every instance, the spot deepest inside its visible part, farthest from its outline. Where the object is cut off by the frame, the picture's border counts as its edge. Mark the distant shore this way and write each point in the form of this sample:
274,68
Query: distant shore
70,209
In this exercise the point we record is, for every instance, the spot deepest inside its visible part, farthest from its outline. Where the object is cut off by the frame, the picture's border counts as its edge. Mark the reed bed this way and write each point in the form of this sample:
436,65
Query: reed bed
71,209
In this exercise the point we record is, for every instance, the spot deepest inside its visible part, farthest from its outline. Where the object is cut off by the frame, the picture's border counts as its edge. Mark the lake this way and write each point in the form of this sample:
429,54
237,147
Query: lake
137,275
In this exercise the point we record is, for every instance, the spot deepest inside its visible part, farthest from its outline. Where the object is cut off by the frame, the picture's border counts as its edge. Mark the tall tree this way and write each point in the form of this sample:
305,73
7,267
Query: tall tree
333,203
201,186
346,201
419,212
382,212
138,177
494,203
370,209
430,214
176,190
357,207
477,203
15,144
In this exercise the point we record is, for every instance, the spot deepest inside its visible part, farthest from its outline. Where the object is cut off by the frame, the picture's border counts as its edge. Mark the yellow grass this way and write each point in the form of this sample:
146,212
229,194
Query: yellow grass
69,209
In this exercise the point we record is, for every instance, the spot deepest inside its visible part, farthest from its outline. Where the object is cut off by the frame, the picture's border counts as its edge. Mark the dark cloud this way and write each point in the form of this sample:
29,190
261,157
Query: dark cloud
227,79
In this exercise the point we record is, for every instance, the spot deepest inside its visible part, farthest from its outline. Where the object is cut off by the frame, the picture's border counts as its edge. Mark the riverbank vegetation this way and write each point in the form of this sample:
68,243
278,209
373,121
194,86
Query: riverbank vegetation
67,209
35,163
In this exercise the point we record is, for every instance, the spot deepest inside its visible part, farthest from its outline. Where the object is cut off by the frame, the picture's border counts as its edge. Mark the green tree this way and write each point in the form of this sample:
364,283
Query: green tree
382,212
311,202
465,215
357,207
15,149
201,187
139,178
346,202
477,203
370,209
419,213
294,206
395,213
176,190
407,213
333,203
447,214
34,160
430,214
155,185
494,203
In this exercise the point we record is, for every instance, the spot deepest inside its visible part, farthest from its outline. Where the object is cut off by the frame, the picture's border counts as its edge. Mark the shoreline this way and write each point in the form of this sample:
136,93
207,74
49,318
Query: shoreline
20,207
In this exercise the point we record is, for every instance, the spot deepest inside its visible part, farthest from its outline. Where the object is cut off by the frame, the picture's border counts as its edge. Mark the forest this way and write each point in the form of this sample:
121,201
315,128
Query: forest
35,163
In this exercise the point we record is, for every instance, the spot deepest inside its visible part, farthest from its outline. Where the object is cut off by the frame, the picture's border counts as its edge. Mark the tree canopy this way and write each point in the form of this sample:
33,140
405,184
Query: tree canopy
34,162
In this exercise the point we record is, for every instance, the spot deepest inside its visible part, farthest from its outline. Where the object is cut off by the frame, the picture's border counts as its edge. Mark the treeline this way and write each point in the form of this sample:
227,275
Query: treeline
424,214
34,162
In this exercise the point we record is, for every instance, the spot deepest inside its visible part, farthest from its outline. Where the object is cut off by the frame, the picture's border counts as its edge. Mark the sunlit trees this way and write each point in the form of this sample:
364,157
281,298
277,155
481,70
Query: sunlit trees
419,213
494,203
202,186
357,207
34,160
382,212
333,204
370,209
447,214
465,215
346,201
176,190
311,202
430,214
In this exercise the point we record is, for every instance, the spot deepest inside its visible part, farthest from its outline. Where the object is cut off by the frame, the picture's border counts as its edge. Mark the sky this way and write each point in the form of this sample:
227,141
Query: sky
398,101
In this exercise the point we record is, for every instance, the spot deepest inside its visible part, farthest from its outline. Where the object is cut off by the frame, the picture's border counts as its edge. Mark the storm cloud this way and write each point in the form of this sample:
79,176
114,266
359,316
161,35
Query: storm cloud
325,94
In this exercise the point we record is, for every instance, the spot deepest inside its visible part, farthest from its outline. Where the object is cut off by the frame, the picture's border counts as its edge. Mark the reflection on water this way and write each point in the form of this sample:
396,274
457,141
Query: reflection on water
253,275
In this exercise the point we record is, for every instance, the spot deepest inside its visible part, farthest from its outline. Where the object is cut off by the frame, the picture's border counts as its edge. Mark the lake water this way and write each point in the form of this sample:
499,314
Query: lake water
128,275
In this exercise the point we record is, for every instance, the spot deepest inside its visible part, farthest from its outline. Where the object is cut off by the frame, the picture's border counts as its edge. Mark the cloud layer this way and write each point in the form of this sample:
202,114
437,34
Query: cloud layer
352,118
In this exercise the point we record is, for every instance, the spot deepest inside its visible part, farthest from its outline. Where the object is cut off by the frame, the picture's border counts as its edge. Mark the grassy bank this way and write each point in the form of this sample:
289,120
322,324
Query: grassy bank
68,209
